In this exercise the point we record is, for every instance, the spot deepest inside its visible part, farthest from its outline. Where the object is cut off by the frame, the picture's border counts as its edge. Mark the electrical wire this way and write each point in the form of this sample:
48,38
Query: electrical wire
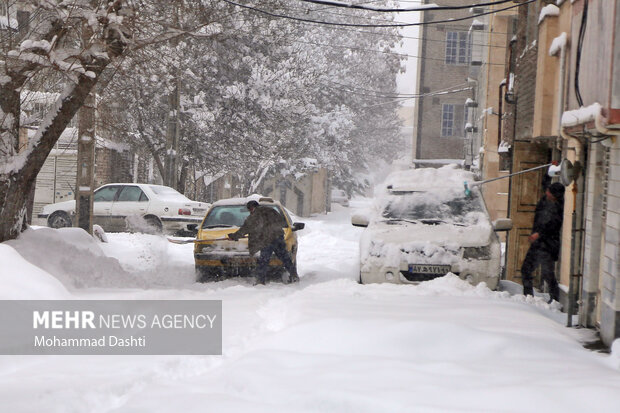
430,7
582,32
451,20
355,48
381,34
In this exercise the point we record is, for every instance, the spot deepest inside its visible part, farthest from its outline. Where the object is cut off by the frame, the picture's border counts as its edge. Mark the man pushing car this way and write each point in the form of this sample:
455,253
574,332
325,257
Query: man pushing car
264,229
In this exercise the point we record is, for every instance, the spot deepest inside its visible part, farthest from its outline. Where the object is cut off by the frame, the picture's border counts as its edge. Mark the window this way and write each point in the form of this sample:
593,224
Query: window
458,51
453,119
105,194
447,120
132,194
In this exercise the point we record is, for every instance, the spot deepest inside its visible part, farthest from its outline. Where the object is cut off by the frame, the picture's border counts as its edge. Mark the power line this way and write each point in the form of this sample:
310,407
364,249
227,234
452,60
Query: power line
385,20
382,94
399,100
429,7
334,46
451,20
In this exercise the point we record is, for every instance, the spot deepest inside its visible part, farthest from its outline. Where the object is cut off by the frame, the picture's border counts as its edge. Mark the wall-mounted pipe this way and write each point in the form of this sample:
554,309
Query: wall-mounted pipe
500,114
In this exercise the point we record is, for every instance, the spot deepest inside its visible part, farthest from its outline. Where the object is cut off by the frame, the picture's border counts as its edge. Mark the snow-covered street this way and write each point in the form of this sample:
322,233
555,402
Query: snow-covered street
325,344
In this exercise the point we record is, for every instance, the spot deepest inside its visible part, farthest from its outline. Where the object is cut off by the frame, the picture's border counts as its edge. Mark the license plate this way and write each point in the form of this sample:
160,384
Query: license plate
199,211
429,268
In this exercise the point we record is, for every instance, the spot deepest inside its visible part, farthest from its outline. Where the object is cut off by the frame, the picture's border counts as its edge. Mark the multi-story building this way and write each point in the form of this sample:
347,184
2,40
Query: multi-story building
561,101
487,151
443,69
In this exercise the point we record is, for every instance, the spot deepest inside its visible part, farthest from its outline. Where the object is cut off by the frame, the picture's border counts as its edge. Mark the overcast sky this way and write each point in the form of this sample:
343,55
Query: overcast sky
406,81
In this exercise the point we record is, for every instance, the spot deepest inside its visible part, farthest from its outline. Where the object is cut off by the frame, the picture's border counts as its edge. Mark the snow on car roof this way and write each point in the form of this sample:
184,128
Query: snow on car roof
428,179
239,201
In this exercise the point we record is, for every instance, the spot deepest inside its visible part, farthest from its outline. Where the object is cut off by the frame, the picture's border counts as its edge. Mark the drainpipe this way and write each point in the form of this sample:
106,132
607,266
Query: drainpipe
575,246
500,114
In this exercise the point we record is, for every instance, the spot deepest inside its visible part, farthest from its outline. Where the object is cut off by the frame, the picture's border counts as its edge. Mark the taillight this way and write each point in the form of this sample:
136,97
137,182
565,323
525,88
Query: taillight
185,211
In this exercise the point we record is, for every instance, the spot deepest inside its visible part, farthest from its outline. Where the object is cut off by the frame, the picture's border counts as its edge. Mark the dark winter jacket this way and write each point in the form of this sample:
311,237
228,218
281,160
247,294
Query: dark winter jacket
548,224
263,226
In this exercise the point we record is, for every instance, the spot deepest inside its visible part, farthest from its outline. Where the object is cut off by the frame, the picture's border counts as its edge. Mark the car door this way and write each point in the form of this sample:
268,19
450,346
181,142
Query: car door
102,205
130,204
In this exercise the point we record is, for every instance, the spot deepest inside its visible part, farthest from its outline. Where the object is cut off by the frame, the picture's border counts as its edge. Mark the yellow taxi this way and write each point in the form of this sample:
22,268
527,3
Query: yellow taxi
216,257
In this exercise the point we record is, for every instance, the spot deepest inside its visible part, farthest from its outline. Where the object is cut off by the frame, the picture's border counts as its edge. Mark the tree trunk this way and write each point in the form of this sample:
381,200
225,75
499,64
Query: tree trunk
15,185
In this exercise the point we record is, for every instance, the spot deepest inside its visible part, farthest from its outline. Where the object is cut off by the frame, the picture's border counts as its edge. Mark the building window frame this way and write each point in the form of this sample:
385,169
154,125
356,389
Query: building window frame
458,48
447,120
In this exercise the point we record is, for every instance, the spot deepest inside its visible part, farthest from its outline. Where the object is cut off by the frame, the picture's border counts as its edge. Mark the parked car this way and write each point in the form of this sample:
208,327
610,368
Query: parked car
121,207
428,228
340,197
216,257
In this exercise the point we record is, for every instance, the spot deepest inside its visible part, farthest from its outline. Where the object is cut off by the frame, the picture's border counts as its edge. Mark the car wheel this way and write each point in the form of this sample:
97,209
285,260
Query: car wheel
153,225
59,219
204,275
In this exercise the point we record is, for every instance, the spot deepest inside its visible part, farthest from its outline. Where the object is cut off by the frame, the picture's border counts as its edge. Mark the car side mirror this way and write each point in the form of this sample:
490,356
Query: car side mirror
502,224
359,220
298,225
192,227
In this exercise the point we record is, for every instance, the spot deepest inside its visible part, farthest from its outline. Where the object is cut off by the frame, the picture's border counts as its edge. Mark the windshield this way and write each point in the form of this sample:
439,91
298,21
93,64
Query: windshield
435,208
228,216
165,192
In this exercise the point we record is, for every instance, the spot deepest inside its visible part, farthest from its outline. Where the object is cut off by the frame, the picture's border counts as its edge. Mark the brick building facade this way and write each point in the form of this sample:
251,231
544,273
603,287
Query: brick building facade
443,67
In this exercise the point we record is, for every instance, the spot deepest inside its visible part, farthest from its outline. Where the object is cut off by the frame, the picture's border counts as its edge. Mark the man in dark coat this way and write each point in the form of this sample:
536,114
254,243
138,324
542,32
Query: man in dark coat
545,241
264,229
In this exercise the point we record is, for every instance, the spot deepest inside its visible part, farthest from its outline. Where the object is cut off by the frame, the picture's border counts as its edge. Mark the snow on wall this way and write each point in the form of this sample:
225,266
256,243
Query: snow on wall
503,147
580,116
548,10
557,44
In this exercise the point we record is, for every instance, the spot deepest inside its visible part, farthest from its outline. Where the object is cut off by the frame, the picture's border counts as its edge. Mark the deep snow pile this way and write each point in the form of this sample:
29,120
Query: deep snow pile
127,260
22,280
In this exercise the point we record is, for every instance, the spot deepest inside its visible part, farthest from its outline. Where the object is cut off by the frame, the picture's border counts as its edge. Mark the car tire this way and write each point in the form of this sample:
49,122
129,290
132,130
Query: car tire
153,225
59,219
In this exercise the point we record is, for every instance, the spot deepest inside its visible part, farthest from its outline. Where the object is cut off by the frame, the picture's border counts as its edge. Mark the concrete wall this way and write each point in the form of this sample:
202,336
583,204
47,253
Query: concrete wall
304,196
495,193
610,264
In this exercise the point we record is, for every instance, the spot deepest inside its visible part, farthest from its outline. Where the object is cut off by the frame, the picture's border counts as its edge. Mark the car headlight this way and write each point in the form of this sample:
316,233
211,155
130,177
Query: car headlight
477,253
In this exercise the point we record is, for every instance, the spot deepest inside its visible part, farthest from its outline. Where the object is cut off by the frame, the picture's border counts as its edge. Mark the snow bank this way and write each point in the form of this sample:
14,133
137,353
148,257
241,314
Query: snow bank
73,257
22,280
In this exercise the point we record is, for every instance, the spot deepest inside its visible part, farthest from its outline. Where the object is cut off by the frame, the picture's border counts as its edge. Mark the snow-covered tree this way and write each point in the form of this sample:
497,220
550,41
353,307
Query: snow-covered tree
72,42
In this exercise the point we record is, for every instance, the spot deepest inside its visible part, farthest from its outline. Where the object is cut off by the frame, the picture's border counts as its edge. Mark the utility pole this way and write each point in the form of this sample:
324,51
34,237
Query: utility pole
173,126
85,176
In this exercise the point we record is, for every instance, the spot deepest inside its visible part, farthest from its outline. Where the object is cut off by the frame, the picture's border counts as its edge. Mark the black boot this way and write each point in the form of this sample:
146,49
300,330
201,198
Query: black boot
554,292
528,287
